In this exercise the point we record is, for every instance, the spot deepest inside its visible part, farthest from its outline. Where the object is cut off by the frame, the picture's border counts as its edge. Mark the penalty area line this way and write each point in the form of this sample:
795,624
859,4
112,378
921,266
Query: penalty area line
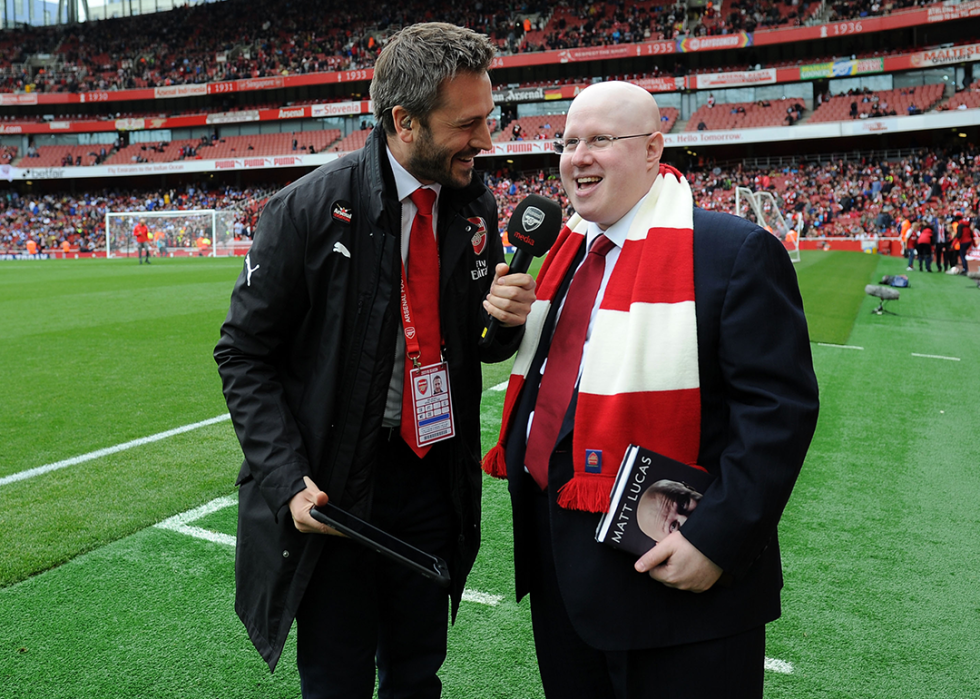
182,525
48,468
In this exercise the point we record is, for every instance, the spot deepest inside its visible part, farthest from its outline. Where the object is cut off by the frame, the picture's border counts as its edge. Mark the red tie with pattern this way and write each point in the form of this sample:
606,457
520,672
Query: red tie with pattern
564,358
423,282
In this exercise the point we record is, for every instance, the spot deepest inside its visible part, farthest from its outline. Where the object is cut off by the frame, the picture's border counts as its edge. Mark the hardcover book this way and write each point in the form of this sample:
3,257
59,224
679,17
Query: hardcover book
653,495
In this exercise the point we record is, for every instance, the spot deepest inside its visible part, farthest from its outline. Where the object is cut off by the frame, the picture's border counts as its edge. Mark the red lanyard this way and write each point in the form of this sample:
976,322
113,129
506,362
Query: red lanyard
412,347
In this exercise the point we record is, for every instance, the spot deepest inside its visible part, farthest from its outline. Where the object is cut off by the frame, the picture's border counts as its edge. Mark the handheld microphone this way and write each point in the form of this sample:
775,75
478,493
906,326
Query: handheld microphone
532,229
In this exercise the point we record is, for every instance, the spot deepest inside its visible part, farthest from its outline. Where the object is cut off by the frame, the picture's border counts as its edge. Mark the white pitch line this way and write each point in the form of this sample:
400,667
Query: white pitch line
199,533
181,524
40,470
936,356
198,512
780,666
827,344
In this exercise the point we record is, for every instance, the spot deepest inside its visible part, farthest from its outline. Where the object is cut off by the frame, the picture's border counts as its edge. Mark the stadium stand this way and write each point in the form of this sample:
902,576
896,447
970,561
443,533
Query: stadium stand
863,196
531,128
162,152
270,144
204,43
547,126
749,16
745,115
65,156
352,141
862,105
153,152
214,42
967,99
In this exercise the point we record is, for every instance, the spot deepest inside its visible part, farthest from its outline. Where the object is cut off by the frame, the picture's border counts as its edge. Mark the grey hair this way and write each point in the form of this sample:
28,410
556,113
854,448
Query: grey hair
417,60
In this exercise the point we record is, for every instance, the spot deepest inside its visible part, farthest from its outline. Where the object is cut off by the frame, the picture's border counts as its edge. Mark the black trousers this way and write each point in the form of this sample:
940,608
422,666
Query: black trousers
363,613
731,667
942,256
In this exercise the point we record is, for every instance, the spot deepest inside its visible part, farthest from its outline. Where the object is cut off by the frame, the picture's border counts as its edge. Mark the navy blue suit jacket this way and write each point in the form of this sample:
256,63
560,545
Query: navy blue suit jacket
758,412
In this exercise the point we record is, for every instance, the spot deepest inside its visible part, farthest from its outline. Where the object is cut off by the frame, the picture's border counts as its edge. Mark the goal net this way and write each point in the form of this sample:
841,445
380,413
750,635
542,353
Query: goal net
204,232
761,208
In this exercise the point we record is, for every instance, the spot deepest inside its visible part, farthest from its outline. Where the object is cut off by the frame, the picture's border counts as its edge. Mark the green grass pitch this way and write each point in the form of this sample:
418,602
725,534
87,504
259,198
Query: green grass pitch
879,540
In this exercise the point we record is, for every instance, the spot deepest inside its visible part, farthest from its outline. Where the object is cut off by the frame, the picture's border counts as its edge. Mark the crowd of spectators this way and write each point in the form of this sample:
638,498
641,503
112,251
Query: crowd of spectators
856,198
844,10
229,40
585,24
851,199
845,198
51,220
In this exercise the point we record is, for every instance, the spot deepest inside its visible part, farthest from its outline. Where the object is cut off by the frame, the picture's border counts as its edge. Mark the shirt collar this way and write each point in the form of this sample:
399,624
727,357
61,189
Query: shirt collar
405,182
618,231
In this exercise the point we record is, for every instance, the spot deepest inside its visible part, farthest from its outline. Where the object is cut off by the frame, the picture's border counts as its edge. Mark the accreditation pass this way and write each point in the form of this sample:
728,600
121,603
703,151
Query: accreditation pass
433,406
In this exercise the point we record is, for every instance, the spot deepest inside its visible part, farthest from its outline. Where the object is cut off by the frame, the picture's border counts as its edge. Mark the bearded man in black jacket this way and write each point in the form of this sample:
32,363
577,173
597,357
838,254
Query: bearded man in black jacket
325,322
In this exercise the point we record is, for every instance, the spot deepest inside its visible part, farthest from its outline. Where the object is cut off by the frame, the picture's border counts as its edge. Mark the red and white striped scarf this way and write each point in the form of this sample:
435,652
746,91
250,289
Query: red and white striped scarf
640,382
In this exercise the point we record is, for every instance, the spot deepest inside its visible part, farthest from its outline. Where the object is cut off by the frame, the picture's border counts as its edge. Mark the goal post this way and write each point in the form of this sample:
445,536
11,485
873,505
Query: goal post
762,208
199,232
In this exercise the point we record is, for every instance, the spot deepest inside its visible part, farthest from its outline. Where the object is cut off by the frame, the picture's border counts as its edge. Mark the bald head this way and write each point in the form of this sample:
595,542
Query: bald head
625,103
604,180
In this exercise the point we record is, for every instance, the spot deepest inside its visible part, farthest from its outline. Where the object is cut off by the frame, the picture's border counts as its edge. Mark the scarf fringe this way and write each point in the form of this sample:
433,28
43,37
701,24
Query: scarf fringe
586,494
494,462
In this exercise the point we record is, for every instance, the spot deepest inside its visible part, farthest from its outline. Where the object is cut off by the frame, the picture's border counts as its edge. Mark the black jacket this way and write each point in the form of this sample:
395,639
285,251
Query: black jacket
306,354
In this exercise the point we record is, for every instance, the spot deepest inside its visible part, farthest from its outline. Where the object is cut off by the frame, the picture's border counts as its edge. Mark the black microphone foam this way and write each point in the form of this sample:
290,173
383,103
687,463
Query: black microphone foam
532,229
534,226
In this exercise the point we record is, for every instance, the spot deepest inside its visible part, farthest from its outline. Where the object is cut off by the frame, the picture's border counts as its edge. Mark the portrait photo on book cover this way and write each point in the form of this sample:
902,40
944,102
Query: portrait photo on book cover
652,496
664,507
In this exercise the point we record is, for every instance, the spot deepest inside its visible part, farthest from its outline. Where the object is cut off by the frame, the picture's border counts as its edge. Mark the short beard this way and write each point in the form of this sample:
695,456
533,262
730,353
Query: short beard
429,161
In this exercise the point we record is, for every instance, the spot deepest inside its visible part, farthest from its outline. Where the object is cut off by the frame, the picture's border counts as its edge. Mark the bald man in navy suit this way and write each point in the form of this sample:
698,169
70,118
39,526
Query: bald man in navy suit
688,618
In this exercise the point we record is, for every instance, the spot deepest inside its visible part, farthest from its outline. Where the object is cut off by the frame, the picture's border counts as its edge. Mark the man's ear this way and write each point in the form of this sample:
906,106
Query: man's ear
655,149
404,124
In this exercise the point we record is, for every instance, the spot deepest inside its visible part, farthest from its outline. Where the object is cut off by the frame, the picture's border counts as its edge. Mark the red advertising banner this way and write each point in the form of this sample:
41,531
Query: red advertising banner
141,124
9,99
943,57
738,79
738,40
660,84
594,53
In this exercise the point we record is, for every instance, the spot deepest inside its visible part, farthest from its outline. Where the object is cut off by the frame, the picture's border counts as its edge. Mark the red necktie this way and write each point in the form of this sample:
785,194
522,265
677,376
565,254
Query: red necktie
423,283
564,358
